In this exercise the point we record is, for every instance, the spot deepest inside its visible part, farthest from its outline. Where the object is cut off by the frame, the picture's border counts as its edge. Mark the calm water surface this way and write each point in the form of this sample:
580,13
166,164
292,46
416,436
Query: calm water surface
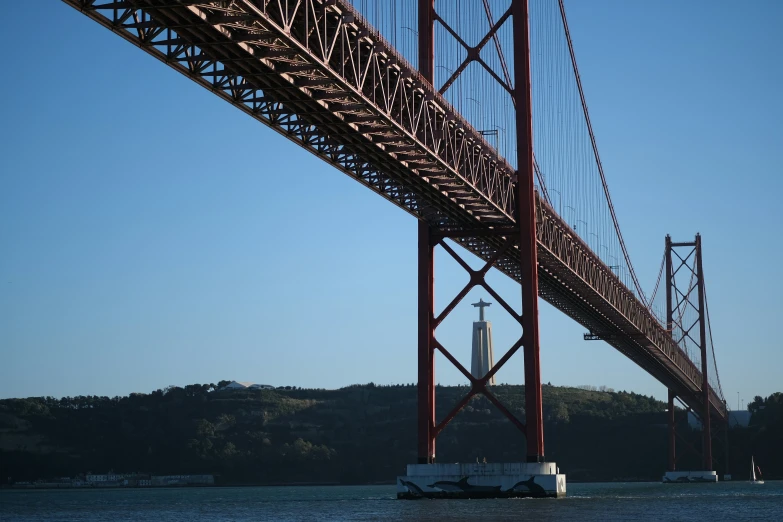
615,501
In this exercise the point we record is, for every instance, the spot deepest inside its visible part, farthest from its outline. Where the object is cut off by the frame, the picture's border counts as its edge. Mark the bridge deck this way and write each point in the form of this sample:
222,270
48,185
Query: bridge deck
317,73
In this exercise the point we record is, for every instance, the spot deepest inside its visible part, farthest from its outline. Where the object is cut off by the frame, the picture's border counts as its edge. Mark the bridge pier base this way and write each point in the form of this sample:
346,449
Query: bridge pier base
675,477
495,480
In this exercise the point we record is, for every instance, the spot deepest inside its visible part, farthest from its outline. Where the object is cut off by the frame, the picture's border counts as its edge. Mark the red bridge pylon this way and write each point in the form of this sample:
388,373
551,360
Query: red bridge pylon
687,256
522,237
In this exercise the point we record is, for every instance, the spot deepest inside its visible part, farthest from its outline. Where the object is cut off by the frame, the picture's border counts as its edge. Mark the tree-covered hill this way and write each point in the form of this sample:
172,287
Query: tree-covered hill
357,434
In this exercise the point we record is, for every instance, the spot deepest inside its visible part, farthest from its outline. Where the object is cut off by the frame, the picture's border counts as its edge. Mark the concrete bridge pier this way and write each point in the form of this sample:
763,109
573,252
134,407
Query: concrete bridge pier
673,475
495,480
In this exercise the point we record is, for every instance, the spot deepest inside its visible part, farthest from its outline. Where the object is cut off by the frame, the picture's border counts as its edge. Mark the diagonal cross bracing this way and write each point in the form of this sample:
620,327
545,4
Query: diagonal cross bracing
317,73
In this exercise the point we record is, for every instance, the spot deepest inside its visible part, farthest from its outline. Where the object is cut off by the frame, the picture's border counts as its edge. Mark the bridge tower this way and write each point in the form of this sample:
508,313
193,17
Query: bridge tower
684,313
535,476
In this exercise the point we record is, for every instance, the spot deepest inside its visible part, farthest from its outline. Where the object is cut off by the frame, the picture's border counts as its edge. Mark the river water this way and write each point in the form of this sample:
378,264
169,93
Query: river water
607,501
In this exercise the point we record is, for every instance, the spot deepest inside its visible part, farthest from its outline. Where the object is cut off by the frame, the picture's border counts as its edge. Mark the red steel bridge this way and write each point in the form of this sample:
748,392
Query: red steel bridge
434,106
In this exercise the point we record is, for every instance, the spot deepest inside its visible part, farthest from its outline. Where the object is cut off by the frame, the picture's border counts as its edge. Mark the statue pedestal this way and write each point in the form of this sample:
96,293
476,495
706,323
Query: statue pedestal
483,356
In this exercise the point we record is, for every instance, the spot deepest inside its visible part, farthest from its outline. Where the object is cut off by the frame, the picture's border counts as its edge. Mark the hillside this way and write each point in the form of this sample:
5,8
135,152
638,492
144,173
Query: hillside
357,434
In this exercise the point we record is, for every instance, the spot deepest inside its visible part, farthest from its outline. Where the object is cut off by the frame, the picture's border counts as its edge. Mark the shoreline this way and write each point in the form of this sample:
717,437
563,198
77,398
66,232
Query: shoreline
275,484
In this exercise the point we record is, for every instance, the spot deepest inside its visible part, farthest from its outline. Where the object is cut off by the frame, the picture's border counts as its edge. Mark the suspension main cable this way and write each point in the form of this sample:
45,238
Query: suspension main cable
709,329
598,160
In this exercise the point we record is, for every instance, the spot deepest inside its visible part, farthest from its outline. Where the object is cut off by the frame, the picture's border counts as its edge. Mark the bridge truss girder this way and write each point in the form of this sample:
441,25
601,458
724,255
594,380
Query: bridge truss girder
317,73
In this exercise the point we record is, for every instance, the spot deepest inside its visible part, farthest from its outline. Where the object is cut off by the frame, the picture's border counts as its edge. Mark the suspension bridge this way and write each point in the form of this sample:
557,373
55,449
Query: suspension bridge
434,106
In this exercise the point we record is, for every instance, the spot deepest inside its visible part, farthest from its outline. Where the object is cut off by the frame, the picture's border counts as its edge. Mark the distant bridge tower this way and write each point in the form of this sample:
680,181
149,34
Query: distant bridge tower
686,319
483,358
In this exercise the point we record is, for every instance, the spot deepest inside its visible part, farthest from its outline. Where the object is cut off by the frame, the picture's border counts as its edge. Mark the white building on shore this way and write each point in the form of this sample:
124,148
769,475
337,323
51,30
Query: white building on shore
244,385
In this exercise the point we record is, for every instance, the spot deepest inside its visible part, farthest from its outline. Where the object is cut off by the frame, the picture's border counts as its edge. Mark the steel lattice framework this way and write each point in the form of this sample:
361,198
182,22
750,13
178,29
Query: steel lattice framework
316,72
677,300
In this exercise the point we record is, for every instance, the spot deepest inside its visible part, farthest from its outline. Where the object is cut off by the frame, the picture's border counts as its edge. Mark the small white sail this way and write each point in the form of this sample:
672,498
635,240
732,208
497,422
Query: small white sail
753,478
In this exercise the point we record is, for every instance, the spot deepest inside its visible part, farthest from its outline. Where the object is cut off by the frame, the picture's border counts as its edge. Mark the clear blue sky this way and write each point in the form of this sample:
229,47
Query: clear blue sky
150,234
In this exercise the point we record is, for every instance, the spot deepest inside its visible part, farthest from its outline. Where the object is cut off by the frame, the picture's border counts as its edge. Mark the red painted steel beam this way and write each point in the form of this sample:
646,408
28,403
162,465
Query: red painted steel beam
478,385
669,321
500,406
453,413
672,434
669,281
453,360
477,233
426,354
427,39
526,219
685,301
426,386
705,385
686,443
